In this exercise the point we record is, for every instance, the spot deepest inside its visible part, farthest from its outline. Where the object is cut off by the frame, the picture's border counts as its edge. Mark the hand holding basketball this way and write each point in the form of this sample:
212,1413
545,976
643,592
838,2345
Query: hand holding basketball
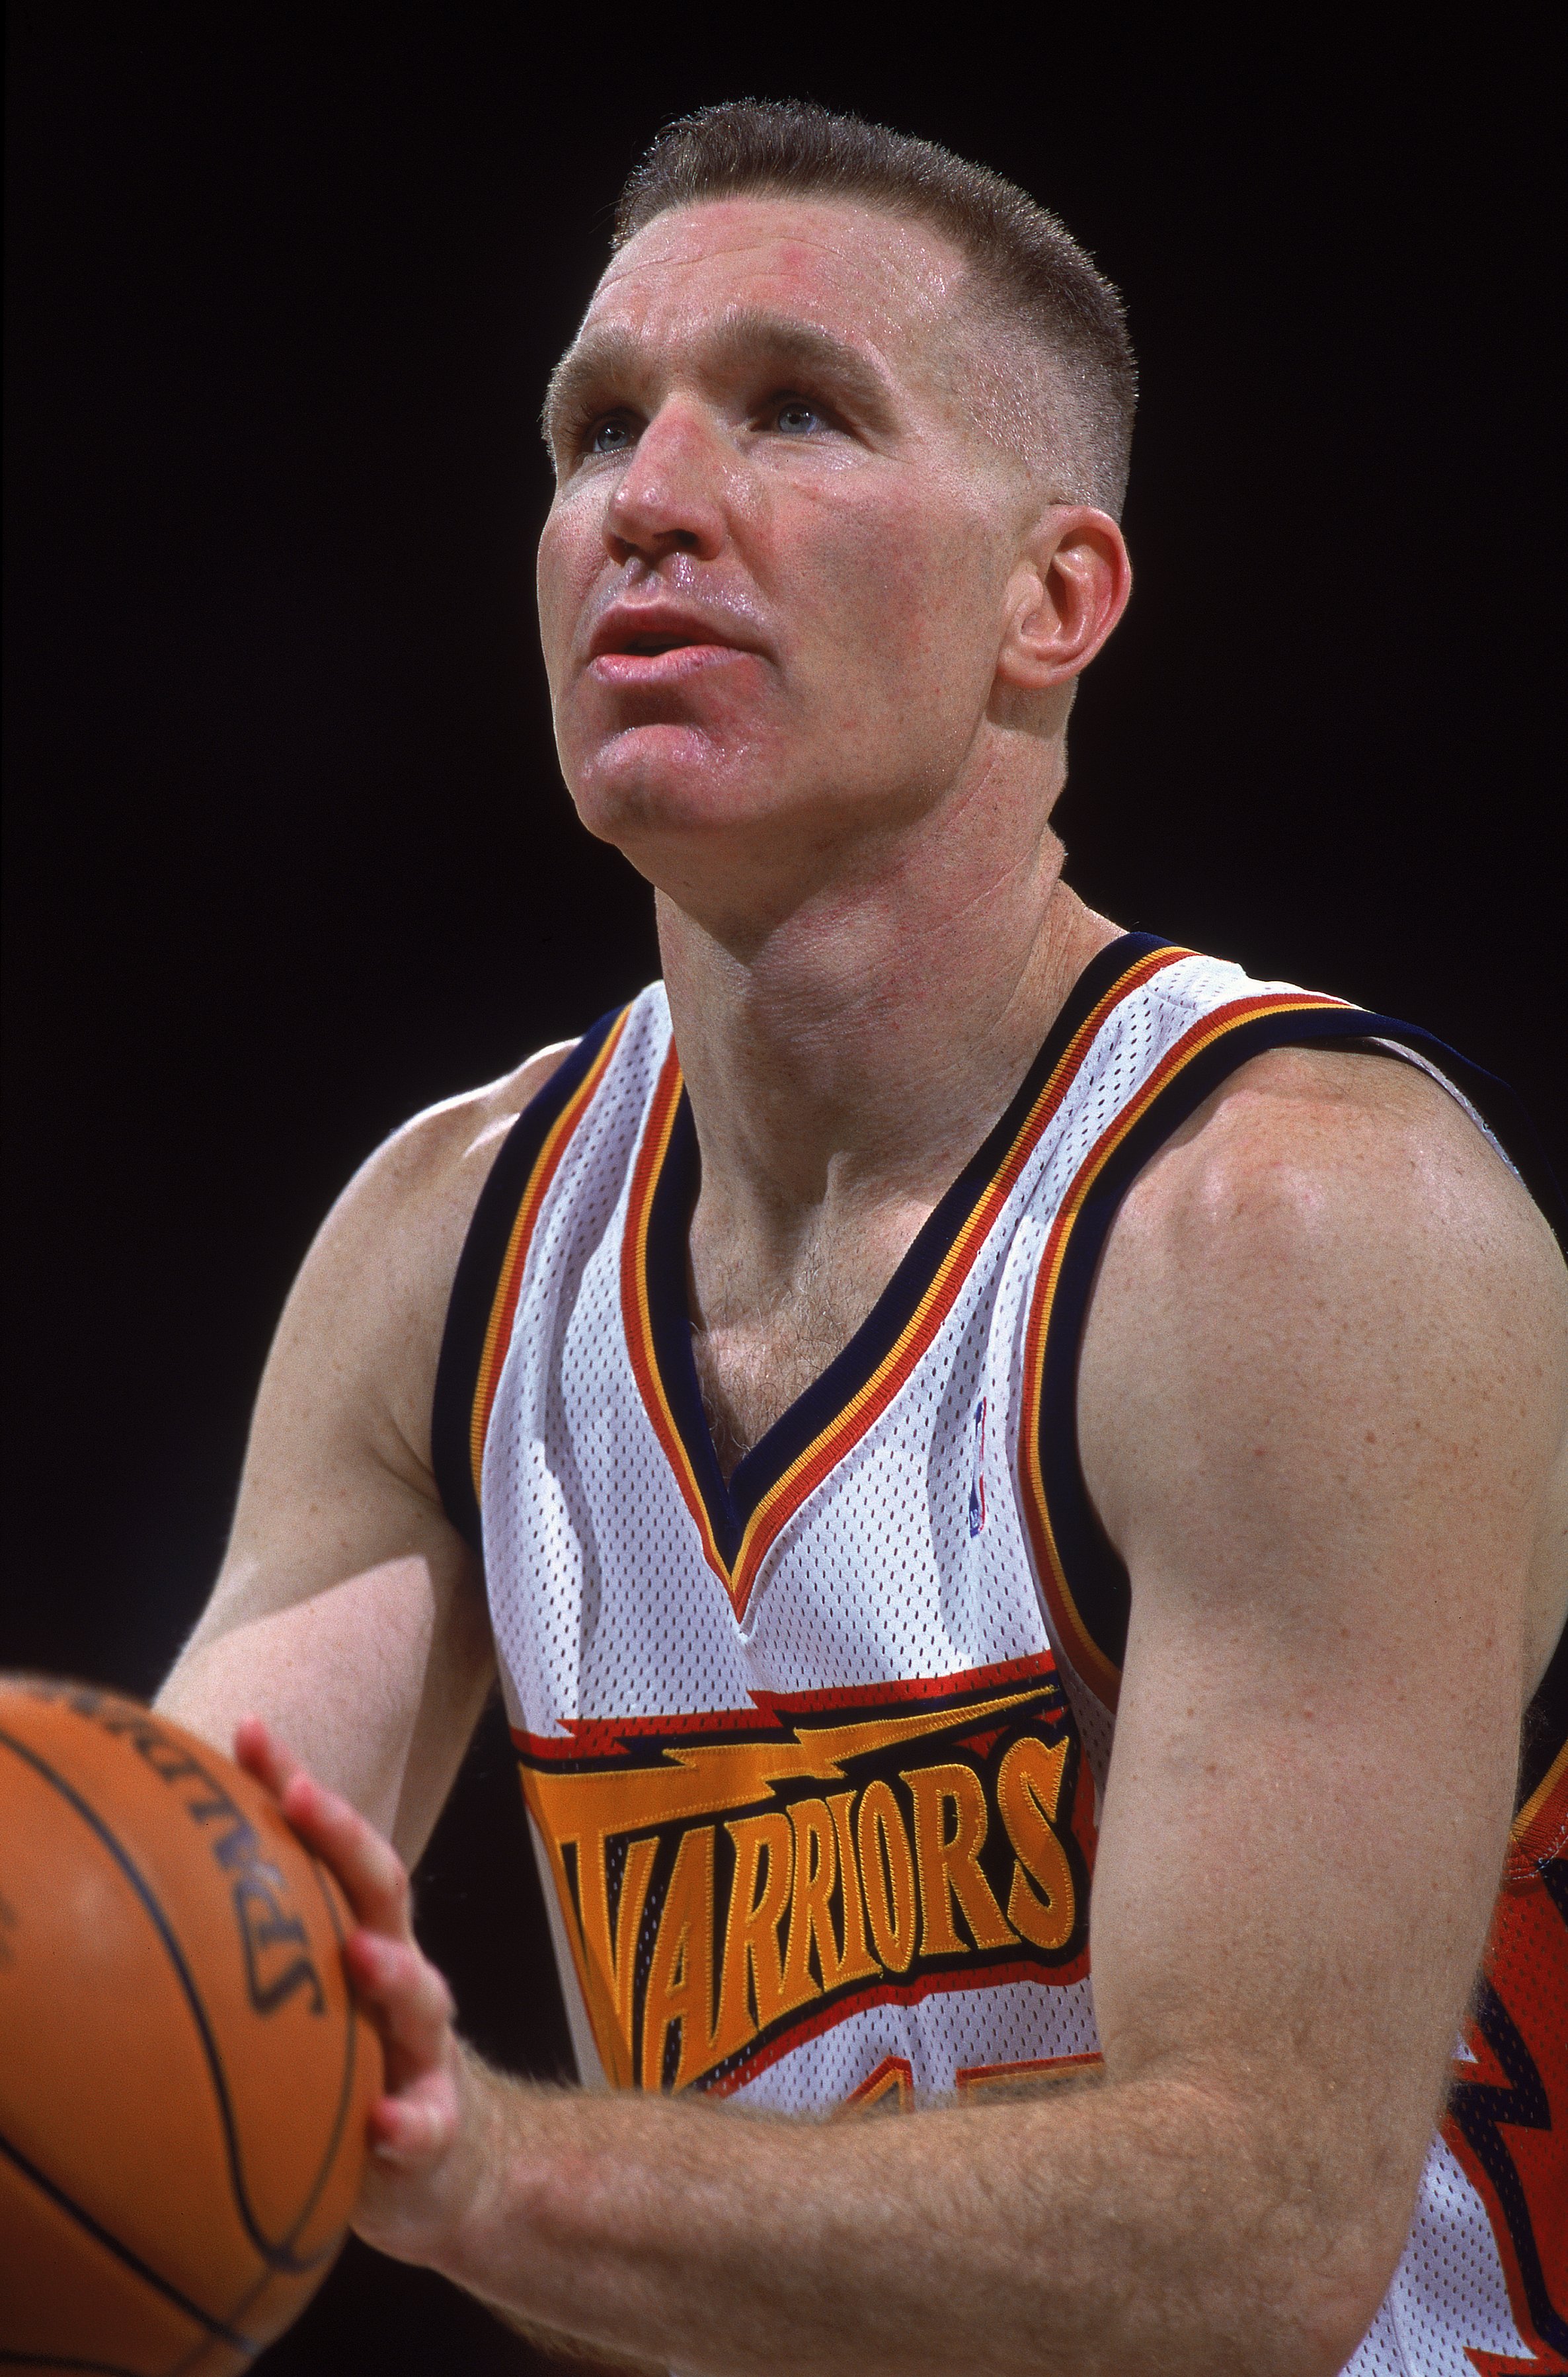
186,2076
423,2163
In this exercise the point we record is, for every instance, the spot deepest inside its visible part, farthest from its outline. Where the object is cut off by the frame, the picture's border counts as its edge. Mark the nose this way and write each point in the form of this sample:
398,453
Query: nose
669,499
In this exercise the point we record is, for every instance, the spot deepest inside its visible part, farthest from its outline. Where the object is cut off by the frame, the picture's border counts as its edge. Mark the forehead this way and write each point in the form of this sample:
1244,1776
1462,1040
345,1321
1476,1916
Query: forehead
854,272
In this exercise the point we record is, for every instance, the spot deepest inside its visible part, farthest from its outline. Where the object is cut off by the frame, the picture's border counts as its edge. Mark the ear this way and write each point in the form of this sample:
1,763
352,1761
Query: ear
1068,590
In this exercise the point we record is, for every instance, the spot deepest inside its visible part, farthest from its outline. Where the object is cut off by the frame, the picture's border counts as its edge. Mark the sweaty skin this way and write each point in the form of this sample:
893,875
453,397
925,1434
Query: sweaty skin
813,635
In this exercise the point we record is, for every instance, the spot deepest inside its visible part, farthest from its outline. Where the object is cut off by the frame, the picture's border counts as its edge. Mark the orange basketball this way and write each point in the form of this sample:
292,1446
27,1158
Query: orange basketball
184,2074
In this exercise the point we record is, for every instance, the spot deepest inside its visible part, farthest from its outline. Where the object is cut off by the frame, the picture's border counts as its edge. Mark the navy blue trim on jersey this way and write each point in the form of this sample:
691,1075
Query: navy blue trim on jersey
669,1320
675,1199
1546,1726
1096,1574
479,1270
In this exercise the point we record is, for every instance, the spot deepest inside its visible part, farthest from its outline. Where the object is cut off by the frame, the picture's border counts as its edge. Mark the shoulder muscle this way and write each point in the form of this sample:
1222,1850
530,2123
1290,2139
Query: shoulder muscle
337,1472
378,1278
1327,1288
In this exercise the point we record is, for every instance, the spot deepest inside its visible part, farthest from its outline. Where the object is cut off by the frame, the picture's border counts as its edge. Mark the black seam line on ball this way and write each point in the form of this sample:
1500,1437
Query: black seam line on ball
345,2094
329,2156
105,2237
277,2257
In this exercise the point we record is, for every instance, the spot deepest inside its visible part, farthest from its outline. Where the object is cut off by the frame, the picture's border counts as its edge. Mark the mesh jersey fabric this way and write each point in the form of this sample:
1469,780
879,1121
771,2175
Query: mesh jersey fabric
813,1760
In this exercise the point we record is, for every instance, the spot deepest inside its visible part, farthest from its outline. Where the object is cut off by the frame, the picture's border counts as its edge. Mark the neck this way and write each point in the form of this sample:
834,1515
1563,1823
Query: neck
844,1063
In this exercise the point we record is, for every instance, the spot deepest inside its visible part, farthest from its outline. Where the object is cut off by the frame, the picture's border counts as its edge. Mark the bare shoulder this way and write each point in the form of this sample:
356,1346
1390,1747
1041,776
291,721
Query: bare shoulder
427,1176
338,1480
1359,1154
1312,1115
1331,1261
373,1293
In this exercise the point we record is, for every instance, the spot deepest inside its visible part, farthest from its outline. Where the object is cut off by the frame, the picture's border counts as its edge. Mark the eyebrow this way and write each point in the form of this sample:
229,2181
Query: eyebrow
748,336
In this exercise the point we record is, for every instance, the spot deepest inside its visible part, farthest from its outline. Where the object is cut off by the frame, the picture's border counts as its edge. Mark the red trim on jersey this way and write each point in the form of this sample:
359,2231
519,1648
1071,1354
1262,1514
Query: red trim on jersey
988,2075
894,2076
1526,1969
601,1736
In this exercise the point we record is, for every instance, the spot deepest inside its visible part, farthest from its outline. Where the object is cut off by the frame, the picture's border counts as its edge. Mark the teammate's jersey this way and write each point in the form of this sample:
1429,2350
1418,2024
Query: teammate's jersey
813,1760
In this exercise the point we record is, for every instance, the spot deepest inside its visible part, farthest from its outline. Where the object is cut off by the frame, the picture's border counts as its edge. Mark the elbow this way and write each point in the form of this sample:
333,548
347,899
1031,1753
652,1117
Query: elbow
1325,2297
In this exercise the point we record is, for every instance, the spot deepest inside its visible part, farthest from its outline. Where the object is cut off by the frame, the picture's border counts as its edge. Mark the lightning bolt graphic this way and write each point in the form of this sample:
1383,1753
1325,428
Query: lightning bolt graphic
1481,2108
704,1778
694,1779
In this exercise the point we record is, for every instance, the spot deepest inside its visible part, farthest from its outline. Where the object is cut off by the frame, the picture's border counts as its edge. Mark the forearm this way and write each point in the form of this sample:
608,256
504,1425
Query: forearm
1240,2211
377,1681
1136,2228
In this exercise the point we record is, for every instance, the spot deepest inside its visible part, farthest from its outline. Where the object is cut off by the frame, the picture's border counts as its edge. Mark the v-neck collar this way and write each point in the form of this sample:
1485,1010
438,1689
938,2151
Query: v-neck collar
739,1521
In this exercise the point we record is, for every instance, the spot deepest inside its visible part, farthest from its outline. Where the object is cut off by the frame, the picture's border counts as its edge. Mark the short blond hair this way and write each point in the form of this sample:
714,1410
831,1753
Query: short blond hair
1031,277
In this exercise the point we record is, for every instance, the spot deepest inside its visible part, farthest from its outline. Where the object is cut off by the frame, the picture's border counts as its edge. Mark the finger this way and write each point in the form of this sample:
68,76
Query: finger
402,1987
417,2125
373,1876
259,1752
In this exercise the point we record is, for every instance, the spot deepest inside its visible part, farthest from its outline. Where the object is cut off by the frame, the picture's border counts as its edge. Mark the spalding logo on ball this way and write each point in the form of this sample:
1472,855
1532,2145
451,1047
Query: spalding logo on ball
184,2074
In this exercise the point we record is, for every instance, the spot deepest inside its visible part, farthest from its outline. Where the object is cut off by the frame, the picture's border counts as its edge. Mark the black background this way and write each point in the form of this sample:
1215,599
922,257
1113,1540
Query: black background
288,854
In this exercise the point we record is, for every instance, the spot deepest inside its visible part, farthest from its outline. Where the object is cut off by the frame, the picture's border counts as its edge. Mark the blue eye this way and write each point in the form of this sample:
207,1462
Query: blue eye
798,419
611,437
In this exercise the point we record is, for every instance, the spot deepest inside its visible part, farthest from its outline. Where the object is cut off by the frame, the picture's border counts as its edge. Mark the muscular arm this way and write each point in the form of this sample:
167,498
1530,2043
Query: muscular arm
1324,1405
348,1611
1321,1407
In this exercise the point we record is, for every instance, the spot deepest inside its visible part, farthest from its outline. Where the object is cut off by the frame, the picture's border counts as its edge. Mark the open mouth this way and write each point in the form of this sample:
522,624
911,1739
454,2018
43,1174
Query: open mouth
664,639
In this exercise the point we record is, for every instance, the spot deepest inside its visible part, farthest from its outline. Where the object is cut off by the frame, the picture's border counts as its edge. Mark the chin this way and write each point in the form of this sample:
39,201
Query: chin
657,781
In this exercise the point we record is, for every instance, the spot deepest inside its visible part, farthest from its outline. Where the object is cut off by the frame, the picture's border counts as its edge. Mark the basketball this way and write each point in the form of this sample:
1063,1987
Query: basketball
185,2076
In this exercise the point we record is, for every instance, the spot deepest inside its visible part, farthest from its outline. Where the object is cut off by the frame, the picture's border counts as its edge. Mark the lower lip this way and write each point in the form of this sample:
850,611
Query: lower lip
629,671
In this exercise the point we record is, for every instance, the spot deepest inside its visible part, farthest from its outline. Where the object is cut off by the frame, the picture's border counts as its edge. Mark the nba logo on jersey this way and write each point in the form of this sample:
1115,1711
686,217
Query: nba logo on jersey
977,1484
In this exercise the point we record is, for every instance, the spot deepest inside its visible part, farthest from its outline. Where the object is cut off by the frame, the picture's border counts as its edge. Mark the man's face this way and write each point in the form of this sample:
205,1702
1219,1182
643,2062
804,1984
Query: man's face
775,575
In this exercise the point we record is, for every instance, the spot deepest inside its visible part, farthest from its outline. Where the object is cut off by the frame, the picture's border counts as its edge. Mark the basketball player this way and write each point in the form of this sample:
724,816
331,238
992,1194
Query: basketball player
948,1397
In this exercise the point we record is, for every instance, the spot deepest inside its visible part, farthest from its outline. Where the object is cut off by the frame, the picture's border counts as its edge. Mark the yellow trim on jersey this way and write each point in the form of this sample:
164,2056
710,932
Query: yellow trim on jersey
1097,1670
1531,1818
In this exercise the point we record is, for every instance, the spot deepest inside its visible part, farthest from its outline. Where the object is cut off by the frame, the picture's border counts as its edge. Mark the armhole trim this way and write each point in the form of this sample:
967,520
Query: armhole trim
1540,1822
1082,1577
489,1278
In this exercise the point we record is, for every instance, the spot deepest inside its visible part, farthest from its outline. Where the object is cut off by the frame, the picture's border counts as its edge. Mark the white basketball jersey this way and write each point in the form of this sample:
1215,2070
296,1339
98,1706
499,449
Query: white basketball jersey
813,1759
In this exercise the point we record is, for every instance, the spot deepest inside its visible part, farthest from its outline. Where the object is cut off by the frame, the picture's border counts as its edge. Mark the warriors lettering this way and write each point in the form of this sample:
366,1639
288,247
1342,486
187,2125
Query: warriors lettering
730,1882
